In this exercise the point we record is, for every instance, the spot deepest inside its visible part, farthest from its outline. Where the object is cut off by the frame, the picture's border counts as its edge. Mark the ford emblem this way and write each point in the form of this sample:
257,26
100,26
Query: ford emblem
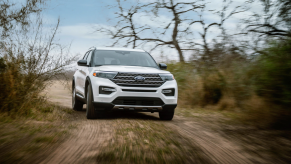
139,79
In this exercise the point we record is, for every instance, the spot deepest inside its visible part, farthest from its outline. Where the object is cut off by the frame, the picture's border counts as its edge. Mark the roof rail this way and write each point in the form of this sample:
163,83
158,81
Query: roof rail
92,48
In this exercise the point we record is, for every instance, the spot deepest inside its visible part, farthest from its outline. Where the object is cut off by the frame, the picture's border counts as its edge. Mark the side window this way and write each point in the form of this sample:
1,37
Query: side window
85,56
89,58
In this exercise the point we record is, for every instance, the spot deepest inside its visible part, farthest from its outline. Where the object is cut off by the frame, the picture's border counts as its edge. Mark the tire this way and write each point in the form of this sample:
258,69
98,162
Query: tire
90,111
167,115
76,104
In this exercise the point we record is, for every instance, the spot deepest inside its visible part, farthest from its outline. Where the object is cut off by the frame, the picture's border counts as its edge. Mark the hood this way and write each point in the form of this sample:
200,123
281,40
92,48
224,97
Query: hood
133,69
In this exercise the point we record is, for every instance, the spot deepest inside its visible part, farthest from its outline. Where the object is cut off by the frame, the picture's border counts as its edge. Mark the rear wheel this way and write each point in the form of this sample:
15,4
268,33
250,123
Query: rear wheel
166,115
76,104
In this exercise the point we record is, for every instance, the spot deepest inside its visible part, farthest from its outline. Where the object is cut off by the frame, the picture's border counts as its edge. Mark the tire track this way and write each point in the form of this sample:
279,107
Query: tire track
84,144
87,140
216,147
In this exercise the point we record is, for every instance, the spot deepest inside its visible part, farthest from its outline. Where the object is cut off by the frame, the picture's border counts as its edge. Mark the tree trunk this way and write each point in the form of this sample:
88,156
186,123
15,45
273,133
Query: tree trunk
177,46
174,37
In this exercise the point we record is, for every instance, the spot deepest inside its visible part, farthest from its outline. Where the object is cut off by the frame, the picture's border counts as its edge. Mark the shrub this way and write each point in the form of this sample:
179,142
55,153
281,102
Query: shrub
27,64
197,87
273,68
259,88
213,86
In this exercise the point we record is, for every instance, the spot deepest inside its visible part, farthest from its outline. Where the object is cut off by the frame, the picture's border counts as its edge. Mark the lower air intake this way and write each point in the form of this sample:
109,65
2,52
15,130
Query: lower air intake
140,101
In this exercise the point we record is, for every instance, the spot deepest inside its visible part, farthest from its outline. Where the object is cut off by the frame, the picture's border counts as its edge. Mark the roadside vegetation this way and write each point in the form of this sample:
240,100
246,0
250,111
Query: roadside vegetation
244,70
258,87
30,58
29,138
220,73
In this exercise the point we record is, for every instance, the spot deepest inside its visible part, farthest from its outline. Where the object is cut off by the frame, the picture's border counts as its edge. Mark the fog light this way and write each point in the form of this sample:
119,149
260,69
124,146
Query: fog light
167,91
108,89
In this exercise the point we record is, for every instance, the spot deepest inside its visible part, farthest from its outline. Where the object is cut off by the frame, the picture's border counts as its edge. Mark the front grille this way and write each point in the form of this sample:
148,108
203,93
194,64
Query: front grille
127,79
141,101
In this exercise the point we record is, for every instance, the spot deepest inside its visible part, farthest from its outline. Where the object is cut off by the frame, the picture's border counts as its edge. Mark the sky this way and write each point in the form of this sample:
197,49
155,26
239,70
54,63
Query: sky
79,18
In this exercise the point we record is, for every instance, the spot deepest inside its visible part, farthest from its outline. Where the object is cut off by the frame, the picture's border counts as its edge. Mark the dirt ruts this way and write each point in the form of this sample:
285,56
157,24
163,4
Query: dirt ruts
88,139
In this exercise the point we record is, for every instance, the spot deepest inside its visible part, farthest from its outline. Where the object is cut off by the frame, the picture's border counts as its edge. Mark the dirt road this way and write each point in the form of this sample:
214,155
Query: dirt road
92,137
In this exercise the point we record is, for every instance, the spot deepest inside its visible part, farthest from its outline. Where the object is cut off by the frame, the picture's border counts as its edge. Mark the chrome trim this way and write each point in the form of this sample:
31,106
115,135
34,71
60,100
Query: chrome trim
135,81
138,73
144,108
135,76
138,90
79,95
125,76
126,84
127,79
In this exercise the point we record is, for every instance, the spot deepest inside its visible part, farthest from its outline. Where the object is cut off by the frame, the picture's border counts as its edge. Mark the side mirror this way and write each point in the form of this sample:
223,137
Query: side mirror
163,66
82,63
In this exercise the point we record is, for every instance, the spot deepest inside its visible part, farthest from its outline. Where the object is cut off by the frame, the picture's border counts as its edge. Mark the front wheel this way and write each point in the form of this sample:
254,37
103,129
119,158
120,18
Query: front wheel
90,111
76,104
166,115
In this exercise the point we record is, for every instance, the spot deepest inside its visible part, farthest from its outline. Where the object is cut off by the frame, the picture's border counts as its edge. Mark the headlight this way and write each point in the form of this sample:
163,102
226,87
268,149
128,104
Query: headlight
107,75
167,77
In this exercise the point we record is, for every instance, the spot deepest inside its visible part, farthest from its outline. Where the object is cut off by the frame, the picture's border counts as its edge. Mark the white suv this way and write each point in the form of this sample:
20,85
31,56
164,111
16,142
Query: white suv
118,79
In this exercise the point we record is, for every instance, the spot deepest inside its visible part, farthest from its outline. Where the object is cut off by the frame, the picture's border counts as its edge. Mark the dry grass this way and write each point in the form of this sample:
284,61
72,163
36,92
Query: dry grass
149,142
28,139
227,103
266,145
229,88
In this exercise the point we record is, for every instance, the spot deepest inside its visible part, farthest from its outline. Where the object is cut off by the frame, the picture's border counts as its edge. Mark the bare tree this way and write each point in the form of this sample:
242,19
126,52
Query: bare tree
12,13
31,60
127,29
184,15
275,21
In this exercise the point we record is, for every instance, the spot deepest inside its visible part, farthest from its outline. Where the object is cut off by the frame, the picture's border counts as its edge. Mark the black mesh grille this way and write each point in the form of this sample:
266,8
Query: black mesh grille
141,101
127,79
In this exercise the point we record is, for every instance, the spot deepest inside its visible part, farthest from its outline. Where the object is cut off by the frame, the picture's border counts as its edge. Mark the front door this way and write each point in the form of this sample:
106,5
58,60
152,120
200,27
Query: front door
84,72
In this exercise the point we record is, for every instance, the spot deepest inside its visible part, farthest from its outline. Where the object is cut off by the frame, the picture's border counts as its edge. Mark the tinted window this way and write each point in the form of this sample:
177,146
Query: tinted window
89,57
85,56
130,58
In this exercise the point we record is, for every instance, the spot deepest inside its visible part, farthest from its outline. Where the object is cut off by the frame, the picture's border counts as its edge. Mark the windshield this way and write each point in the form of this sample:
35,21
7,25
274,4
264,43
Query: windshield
129,58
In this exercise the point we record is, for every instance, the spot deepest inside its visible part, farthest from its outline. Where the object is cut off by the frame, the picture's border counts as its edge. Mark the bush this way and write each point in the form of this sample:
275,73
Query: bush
213,86
260,88
27,65
188,84
273,68
17,88
197,87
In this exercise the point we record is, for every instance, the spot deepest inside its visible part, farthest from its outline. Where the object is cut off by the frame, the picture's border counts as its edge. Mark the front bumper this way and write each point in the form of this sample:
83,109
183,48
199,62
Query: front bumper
105,102
120,93
111,106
